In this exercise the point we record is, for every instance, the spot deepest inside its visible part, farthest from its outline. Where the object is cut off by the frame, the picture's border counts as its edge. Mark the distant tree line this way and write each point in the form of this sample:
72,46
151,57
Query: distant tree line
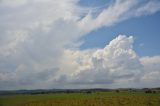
150,91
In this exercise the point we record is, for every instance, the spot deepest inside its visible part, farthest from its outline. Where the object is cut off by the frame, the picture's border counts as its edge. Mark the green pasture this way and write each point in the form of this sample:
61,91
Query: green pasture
83,99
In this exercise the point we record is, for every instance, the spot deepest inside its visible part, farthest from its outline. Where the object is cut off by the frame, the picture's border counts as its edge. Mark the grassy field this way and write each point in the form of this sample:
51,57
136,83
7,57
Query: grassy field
83,99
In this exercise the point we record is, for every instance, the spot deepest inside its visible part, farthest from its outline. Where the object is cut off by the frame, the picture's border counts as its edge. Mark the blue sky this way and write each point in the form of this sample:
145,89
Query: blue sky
94,3
47,44
145,29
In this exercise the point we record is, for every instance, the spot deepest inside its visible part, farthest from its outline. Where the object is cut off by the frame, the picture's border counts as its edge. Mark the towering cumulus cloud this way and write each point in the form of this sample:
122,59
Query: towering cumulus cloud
40,46
115,65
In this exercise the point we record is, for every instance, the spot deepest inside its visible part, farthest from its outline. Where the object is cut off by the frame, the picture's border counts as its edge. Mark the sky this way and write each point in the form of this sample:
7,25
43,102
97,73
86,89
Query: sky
47,44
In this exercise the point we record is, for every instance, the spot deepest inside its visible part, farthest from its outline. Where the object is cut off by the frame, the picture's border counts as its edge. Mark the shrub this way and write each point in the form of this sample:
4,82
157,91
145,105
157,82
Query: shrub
148,91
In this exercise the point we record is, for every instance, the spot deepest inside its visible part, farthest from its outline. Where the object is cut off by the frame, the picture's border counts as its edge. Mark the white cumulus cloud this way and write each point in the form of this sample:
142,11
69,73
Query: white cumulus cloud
116,65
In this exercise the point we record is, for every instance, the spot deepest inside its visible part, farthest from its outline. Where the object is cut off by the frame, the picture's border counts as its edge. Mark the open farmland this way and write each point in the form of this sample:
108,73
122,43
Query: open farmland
83,99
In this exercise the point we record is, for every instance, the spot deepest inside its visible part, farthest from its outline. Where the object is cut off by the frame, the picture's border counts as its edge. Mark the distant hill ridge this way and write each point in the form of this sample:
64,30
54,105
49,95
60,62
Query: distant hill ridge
47,91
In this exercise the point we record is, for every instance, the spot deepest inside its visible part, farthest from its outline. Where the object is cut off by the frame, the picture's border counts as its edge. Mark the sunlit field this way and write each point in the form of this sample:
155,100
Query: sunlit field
83,99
